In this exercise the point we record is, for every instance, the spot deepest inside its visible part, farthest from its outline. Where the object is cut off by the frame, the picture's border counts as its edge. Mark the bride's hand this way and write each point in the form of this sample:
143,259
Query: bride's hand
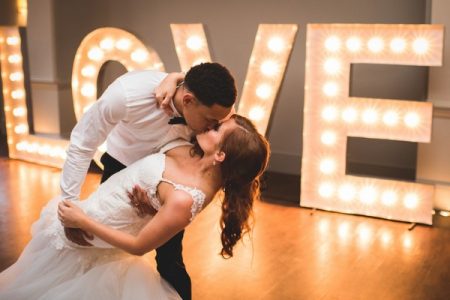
165,91
70,214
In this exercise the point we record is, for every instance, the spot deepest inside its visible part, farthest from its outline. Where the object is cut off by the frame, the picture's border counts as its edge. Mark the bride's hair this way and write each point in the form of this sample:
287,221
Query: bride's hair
246,157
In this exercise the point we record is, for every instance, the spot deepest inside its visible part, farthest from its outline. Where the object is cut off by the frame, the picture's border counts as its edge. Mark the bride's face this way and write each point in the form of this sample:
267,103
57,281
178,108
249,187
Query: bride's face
210,140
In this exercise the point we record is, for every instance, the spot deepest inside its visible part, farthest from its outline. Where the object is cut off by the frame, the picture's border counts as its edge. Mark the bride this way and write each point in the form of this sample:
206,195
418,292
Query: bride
179,182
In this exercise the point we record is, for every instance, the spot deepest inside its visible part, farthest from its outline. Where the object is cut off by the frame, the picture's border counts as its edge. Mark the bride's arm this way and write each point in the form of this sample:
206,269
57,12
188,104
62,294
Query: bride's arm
172,217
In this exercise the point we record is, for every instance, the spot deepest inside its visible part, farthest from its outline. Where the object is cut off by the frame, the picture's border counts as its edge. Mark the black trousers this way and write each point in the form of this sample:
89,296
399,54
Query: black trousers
169,257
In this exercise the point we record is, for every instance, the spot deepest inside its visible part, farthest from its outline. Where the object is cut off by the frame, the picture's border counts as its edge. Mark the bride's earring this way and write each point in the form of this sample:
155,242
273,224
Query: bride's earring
214,163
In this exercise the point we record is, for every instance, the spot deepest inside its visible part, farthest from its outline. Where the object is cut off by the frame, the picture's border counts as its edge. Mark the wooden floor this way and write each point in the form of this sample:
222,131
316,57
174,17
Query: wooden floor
292,254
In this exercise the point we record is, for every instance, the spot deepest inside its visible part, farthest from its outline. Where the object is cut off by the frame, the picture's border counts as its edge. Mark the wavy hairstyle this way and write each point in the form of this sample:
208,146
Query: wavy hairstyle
246,157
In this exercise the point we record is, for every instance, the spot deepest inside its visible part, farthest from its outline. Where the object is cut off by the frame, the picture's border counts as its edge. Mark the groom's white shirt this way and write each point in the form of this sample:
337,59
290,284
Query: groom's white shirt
128,118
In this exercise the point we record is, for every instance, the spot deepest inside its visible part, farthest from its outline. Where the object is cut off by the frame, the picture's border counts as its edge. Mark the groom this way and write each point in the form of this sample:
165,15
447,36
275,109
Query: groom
127,116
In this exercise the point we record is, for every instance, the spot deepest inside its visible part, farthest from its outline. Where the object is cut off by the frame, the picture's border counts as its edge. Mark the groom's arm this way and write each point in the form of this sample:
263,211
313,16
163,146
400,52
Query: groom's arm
89,133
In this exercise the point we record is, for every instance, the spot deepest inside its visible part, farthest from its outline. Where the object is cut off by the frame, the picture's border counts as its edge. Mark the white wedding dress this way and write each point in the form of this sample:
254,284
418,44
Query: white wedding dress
52,267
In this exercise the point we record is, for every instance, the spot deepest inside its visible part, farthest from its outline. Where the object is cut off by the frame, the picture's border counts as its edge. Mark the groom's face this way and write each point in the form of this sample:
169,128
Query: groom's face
200,117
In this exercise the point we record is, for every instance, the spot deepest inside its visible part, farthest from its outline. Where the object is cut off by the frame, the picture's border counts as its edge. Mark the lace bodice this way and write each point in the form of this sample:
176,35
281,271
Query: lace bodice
110,204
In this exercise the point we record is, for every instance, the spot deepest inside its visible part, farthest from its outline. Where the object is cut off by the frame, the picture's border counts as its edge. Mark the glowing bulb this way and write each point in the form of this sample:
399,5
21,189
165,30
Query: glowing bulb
16,76
88,71
412,119
276,44
333,44
411,200
370,116
398,45
256,113
349,115
139,55
18,94
269,68
390,118
95,54
332,66
14,58
21,146
330,89
327,166
329,113
19,112
347,192
368,195
194,43
12,40
20,129
389,198
326,190
353,44
123,44
328,138
107,44
375,45
263,91
420,46
88,90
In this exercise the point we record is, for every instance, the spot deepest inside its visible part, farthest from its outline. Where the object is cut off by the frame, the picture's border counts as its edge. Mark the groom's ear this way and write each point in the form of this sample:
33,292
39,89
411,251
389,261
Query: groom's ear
219,156
188,99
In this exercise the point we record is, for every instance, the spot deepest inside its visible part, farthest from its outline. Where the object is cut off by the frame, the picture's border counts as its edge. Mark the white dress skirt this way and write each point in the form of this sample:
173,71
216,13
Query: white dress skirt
52,267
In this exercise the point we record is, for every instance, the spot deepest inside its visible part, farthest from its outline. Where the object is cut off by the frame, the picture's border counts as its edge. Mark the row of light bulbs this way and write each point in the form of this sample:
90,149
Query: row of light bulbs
371,116
377,44
368,195
41,149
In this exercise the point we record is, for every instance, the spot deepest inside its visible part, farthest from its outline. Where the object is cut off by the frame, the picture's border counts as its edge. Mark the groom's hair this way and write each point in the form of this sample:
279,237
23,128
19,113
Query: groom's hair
211,83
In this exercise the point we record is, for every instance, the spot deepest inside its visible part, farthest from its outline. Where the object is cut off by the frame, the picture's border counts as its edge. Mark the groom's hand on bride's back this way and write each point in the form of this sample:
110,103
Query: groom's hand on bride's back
78,236
140,201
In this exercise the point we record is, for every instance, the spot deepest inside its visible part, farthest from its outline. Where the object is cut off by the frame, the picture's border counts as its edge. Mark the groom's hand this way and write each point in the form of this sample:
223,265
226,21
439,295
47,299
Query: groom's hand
141,202
78,236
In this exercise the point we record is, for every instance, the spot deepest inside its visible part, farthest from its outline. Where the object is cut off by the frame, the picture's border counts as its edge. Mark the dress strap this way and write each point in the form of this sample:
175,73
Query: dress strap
197,195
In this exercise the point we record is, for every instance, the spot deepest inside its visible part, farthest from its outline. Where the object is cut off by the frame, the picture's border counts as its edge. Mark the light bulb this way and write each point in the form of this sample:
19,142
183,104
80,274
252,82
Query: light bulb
329,113
256,113
332,66
420,46
412,120
353,44
123,44
333,44
269,68
107,44
139,55
328,137
330,89
194,43
276,44
349,115
390,118
95,54
263,91
398,45
375,45
327,166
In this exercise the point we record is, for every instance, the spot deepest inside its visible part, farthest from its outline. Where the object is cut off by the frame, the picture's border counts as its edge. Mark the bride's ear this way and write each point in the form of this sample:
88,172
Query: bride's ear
219,156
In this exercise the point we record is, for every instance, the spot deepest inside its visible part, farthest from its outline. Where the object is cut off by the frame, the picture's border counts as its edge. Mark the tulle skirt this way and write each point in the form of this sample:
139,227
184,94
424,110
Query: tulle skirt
44,271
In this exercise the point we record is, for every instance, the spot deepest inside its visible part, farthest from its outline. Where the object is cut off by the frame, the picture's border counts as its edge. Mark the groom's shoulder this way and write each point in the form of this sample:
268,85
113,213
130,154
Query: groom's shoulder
141,81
